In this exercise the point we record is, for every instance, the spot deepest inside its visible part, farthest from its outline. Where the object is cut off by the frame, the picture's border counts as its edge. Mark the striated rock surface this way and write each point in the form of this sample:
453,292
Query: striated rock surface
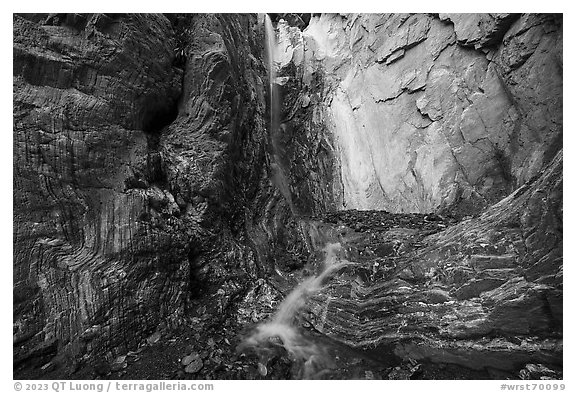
85,89
134,142
418,112
485,293
428,297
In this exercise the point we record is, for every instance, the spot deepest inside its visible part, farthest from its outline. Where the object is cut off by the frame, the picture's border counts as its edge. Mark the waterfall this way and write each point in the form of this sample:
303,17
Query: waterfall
281,326
281,331
278,175
270,35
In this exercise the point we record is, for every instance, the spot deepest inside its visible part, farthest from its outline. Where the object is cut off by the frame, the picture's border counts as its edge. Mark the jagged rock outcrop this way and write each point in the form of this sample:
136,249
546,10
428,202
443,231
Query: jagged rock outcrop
420,112
135,139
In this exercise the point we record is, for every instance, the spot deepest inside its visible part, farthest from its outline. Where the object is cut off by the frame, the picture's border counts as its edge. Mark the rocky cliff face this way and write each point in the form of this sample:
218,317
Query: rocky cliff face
135,139
421,112
149,223
85,88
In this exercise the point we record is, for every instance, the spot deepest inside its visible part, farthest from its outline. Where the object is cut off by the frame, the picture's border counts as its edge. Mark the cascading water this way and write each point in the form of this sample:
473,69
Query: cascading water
278,176
281,326
281,331
270,35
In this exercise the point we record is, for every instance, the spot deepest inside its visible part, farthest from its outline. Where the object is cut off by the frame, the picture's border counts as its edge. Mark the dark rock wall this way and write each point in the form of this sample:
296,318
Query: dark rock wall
307,143
138,141
82,95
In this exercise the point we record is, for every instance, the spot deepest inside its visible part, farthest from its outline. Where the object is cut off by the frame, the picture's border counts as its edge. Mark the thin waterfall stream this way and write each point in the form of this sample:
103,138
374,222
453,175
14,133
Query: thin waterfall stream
281,330
278,175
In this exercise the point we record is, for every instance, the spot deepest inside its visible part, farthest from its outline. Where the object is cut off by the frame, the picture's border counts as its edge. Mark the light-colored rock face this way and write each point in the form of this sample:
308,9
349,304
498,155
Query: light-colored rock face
428,111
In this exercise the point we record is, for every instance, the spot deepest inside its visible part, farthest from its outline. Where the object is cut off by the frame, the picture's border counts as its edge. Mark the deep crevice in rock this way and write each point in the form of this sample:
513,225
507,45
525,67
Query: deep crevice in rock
157,116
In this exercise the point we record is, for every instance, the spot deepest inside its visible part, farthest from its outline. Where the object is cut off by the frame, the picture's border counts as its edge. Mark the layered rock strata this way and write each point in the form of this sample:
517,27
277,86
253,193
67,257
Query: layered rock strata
485,293
135,139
